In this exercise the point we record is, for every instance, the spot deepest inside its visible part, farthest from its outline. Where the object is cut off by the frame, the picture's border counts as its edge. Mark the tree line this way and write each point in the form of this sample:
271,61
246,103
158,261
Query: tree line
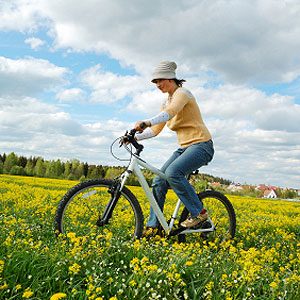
72,170
75,170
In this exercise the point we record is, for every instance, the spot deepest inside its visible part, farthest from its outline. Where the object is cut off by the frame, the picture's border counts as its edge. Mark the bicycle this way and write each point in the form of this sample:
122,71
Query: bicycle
108,204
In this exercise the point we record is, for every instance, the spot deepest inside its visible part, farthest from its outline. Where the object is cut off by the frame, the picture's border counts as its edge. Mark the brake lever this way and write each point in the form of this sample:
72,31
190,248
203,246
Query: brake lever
123,139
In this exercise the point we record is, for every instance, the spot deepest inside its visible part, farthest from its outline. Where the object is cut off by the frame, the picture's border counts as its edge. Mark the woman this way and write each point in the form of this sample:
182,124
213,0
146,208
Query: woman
181,114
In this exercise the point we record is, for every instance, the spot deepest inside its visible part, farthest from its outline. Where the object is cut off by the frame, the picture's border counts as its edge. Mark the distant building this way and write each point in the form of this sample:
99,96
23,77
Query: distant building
235,187
270,194
215,184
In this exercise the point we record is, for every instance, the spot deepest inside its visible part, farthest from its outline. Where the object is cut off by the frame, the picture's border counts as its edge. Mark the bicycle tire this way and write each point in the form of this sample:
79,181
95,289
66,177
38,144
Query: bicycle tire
82,206
222,213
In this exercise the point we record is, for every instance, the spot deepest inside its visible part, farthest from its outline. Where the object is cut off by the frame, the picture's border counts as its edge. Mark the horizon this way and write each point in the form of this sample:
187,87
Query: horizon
124,166
74,76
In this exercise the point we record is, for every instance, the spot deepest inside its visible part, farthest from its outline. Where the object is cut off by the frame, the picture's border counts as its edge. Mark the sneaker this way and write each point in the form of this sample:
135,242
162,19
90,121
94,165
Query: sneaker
193,221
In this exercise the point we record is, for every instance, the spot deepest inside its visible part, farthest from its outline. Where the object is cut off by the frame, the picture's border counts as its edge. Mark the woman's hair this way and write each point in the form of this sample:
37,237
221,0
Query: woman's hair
179,82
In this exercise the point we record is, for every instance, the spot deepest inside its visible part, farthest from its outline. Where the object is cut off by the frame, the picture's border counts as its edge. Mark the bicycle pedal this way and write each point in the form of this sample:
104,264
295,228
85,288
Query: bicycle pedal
202,225
196,227
176,231
206,225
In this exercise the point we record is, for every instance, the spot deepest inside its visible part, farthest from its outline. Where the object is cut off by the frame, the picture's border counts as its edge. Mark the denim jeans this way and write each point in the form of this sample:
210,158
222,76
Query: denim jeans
182,162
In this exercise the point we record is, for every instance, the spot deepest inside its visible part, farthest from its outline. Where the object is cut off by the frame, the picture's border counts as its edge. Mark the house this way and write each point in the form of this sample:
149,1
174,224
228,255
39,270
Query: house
215,184
235,187
261,187
270,194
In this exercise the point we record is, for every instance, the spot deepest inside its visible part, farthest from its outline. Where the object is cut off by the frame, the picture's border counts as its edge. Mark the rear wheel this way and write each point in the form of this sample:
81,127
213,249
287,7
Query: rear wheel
81,210
222,215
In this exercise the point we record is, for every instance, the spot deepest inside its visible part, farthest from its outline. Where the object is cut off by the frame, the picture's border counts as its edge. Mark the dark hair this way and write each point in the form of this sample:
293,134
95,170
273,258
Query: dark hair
179,82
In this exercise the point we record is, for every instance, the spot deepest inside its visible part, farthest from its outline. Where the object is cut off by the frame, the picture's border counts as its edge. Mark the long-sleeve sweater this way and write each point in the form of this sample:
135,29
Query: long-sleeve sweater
186,119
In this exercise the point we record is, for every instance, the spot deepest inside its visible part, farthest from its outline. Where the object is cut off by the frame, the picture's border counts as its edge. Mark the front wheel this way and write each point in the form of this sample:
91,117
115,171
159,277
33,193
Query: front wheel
82,208
222,220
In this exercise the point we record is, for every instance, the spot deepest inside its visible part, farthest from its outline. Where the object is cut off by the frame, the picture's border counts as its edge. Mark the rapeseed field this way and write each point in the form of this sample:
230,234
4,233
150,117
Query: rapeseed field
262,262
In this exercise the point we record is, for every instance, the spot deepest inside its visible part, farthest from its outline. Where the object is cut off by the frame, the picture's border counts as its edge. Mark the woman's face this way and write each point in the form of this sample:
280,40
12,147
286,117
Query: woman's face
163,84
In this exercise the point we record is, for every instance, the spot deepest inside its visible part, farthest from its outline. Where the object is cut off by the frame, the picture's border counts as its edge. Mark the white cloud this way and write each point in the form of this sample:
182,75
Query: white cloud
70,95
29,115
108,87
20,15
29,76
203,35
240,40
34,43
274,112
32,127
147,102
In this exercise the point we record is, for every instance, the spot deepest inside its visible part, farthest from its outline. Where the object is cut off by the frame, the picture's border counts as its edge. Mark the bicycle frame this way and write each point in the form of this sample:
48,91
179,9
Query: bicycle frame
135,167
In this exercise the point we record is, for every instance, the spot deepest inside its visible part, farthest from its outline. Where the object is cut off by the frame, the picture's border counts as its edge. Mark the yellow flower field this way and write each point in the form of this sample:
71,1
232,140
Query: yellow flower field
262,262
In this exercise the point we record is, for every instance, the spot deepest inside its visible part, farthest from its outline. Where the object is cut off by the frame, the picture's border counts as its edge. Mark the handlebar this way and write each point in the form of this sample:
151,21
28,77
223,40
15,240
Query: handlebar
129,137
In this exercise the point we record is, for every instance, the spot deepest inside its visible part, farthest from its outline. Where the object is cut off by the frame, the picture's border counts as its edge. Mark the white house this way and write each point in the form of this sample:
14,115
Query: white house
270,194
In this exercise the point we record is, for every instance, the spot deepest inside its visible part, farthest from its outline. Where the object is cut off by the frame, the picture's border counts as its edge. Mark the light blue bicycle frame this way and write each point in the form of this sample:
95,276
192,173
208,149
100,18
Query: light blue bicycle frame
134,167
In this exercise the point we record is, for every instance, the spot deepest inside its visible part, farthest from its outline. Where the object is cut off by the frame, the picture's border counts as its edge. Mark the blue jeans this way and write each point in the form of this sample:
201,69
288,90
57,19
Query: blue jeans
182,162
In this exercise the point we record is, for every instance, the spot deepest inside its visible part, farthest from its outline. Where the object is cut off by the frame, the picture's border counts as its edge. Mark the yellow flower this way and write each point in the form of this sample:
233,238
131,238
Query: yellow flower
58,296
132,283
224,277
1,266
27,294
273,285
110,280
134,261
189,263
3,286
75,268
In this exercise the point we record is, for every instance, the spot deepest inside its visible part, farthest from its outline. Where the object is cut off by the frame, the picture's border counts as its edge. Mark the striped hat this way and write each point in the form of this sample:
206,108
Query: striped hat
165,70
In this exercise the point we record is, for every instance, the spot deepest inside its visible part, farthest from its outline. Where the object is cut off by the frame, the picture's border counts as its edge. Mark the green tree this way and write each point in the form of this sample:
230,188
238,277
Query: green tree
29,168
1,167
55,169
95,172
68,169
40,168
113,172
3,157
17,170
22,161
10,161
77,170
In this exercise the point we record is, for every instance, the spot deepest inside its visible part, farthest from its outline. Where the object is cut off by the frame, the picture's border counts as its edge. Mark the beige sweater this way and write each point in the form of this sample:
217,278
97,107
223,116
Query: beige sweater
187,121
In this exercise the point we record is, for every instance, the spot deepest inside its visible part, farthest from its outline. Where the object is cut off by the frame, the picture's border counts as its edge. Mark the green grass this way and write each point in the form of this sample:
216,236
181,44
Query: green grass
261,263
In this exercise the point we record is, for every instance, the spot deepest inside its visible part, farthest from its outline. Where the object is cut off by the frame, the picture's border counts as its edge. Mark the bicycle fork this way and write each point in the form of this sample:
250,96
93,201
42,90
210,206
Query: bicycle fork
115,191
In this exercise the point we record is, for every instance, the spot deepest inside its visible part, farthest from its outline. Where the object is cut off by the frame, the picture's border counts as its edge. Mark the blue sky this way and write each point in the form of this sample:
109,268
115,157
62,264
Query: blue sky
74,76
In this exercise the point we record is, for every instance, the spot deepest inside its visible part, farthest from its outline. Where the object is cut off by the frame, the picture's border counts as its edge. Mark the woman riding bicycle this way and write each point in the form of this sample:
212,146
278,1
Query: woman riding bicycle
181,114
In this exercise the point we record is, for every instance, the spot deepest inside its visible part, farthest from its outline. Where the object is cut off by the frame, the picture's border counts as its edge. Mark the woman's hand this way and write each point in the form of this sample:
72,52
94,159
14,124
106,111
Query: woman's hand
141,125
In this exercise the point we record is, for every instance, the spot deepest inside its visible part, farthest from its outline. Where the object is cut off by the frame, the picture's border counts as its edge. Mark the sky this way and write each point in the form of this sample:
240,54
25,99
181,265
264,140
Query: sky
75,75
